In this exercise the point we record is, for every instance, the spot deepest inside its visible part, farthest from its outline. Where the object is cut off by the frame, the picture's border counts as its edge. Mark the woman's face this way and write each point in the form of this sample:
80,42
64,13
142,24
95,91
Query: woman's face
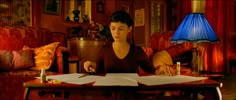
119,31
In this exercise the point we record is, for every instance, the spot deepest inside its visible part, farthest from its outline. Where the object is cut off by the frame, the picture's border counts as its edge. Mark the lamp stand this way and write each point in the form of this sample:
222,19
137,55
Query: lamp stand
195,68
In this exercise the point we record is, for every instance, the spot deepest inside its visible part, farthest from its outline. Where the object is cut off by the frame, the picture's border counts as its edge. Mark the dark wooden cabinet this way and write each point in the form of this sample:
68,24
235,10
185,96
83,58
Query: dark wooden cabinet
84,49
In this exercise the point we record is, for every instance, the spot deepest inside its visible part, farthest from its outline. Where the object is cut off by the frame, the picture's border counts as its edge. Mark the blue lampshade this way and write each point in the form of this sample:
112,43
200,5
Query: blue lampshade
194,28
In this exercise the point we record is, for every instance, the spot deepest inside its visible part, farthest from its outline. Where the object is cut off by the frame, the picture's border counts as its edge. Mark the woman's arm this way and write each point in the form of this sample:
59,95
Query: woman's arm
145,62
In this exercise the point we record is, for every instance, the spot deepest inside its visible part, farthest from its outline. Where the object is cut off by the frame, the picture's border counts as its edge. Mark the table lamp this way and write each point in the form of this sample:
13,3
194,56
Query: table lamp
194,28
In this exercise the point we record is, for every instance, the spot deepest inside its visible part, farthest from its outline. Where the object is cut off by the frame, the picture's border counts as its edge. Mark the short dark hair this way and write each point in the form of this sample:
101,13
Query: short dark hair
123,17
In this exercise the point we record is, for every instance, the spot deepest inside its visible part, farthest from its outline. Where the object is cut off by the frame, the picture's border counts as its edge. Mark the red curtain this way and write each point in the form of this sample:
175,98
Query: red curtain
220,14
185,7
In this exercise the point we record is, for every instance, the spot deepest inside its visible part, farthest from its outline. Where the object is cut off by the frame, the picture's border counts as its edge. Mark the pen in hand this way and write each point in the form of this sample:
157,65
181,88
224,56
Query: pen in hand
89,66
90,72
86,74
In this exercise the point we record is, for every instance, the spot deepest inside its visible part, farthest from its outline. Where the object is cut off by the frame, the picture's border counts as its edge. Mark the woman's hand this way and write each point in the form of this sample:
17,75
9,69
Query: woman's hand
89,66
165,70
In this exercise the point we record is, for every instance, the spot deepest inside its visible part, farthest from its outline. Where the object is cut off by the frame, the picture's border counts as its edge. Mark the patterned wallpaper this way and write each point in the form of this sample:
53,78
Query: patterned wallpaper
15,12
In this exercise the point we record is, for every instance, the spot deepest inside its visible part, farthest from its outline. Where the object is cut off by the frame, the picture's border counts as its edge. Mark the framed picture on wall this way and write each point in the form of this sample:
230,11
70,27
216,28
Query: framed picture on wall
139,17
100,7
52,7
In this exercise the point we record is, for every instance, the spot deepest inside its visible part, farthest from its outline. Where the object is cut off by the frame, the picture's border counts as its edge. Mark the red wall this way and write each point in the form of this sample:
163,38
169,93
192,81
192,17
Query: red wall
41,19
56,23
103,18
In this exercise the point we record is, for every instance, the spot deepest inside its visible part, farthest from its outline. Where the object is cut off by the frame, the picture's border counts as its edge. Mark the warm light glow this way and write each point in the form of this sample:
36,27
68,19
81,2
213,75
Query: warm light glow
205,61
218,61
198,6
71,5
71,8
5,6
88,7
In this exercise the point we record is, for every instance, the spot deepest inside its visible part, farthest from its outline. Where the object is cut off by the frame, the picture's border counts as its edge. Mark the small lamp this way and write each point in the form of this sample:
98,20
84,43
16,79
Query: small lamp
194,28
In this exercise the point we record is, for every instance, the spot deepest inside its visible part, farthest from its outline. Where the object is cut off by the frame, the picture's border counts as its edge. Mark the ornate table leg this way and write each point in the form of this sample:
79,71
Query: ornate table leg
219,93
26,93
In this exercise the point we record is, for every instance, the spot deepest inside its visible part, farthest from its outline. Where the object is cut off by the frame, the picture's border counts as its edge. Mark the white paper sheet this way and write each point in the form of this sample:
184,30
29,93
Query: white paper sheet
74,78
160,80
123,75
123,79
85,80
64,77
118,79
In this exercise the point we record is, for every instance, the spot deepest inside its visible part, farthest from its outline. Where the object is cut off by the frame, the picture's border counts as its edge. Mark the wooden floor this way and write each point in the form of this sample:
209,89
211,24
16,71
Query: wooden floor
229,87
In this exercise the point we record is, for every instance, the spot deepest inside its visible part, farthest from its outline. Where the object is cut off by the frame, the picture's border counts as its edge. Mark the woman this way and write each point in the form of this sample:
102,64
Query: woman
121,56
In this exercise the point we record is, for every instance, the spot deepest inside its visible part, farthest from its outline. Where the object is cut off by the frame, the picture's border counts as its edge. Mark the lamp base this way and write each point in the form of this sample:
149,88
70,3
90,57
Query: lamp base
195,68
199,72
195,73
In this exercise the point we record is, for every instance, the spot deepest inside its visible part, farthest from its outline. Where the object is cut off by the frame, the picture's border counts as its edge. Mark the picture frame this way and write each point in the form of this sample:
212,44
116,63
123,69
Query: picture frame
52,7
100,7
139,17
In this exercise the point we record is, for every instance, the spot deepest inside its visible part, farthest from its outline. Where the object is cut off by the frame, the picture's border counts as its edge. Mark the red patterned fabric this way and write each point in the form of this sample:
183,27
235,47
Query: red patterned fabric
6,60
23,59
161,40
179,49
178,52
14,38
12,83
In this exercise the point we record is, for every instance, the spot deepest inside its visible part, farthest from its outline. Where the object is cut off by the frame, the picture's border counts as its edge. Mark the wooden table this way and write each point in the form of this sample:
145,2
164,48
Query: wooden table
81,92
